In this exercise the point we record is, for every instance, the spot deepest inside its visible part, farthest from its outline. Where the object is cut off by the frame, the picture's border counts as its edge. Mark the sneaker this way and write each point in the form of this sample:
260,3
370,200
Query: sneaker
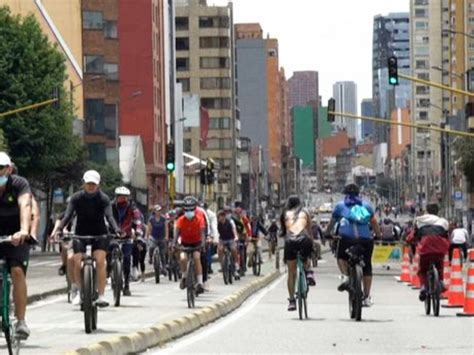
74,292
163,272
199,289
206,286
143,277
150,261
77,300
126,291
291,304
422,296
182,283
367,302
21,330
310,278
344,286
102,302
62,270
210,271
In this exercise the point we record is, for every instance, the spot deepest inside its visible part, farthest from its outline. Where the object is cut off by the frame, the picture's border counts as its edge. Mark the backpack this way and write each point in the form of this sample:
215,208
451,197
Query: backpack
359,214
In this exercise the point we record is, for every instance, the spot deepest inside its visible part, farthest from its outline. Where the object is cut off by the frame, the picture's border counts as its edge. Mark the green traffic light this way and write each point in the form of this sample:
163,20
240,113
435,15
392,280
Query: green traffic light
170,166
393,81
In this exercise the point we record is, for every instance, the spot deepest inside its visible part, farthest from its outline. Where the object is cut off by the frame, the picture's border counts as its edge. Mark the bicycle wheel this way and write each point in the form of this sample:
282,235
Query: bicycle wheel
436,295
225,269
88,295
190,284
230,267
68,283
299,293
95,296
117,281
157,264
255,263
358,293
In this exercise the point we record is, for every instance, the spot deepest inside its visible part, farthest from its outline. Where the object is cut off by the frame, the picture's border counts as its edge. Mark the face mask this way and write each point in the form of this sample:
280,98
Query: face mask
3,180
228,216
189,214
122,203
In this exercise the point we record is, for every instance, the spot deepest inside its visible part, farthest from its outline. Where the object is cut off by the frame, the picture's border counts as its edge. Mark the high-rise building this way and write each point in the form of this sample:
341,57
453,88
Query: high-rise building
345,94
100,46
391,36
367,127
303,87
142,85
205,68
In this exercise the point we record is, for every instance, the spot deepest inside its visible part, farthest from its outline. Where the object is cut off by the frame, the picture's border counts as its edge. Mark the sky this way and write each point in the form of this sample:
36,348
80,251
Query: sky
333,37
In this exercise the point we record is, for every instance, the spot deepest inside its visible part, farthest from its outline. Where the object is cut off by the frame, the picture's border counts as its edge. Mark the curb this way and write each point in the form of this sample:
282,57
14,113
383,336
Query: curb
162,333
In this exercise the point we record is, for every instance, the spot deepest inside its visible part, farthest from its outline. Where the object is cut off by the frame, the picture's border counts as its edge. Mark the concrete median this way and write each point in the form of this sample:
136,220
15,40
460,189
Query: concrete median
164,332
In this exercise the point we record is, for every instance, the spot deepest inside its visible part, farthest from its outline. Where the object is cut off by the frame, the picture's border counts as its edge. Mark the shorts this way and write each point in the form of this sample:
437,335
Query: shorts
230,243
100,243
16,256
191,245
367,249
293,245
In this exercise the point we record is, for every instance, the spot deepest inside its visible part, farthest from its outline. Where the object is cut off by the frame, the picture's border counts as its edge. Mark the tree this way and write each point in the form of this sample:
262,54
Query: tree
110,177
465,150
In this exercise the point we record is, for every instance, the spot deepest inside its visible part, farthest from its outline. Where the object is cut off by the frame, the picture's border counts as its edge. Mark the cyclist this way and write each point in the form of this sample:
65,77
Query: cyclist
354,216
431,232
241,231
212,236
272,238
296,226
129,220
191,229
458,239
16,221
92,208
227,237
257,229
157,235
201,211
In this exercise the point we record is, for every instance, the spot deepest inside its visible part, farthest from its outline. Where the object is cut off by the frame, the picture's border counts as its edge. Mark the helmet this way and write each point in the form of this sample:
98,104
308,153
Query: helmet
189,203
122,191
157,208
352,189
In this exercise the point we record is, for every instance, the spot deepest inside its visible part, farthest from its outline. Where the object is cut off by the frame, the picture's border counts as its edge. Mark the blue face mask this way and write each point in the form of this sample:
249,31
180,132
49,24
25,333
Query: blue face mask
189,214
3,180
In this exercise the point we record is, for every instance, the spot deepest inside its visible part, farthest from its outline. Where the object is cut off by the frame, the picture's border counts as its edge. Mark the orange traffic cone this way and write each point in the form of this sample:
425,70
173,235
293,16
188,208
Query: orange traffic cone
456,289
446,277
415,280
469,299
405,275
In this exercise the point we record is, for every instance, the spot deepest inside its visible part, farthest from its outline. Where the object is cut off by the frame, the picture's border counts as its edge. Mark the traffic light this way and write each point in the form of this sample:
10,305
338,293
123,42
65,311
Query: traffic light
170,159
331,109
210,171
392,70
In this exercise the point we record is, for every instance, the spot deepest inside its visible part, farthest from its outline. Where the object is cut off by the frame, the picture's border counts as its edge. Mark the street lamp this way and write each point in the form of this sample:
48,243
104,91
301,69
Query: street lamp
446,72
448,30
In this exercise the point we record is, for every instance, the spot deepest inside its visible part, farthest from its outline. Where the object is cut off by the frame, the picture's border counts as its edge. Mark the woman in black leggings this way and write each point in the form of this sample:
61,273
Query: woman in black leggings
139,254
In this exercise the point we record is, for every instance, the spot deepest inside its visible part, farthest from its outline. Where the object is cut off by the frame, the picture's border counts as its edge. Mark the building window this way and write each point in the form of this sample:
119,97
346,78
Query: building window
97,153
182,23
421,13
422,90
110,114
423,76
422,64
92,20
215,83
182,64
111,71
421,2
214,62
185,84
219,143
423,115
423,103
182,43
94,64
214,42
110,29
219,123
216,22
95,120
216,102
421,25
187,146
272,52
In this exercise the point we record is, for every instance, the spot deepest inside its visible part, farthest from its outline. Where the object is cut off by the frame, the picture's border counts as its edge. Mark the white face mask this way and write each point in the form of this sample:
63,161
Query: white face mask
3,180
189,214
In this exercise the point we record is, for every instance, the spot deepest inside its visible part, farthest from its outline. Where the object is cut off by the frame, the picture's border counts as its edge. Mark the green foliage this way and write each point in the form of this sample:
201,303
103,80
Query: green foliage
465,150
40,141
110,177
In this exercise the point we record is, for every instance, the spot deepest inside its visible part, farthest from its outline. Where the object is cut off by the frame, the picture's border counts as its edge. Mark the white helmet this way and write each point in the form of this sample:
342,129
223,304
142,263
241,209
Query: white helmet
122,191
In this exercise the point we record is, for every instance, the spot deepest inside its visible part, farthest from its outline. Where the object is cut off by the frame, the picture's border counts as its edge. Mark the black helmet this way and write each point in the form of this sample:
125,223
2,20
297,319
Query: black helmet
352,189
190,203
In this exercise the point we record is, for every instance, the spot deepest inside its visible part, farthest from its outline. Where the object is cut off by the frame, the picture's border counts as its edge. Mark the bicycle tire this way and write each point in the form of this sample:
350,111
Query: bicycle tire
254,263
87,302
6,326
225,269
157,264
190,284
231,267
117,283
68,283
428,293
358,293
436,292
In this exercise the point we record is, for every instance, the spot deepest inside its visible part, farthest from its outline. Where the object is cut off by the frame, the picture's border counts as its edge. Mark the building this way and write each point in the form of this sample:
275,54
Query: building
61,22
344,166
329,173
391,36
142,86
303,135
100,46
400,136
367,127
205,68
303,87
345,94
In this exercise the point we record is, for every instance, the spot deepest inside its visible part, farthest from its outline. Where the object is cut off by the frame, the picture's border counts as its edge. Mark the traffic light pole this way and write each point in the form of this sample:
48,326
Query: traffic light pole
29,107
436,85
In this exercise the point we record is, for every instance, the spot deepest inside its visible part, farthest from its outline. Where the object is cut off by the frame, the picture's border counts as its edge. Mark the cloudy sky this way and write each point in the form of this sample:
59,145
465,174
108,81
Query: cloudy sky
333,37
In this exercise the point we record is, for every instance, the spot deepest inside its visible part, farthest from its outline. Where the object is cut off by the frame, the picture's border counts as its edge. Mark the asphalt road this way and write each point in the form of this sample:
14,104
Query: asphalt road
395,324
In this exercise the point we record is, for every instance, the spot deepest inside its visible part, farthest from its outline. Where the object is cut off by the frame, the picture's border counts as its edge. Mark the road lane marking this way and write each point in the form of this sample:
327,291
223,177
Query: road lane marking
43,303
219,325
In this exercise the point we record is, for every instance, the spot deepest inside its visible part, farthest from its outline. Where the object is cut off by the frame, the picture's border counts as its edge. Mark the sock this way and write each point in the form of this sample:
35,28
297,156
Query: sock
74,287
237,266
185,274
199,278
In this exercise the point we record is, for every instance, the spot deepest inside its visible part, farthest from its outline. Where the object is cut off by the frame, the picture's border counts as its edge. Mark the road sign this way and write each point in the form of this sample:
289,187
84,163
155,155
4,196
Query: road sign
458,195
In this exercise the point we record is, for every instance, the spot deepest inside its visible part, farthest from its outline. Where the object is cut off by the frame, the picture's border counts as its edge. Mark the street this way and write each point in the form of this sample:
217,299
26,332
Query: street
395,324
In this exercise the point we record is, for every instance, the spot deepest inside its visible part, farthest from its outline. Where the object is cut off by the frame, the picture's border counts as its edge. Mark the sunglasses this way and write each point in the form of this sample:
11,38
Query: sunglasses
3,167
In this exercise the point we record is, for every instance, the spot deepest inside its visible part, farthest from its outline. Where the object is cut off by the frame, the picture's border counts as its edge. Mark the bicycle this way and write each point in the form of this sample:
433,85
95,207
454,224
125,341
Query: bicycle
228,265
242,248
301,287
433,293
66,239
356,294
116,262
157,262
174,272
191,278
256,259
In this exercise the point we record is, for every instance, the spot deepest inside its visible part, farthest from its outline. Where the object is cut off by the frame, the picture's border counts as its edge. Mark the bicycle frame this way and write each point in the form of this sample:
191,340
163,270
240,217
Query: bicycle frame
301,286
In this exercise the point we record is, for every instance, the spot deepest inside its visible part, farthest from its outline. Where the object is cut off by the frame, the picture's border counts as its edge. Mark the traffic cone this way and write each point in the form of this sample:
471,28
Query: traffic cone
456,289
405,275
469,299
446,277
415,280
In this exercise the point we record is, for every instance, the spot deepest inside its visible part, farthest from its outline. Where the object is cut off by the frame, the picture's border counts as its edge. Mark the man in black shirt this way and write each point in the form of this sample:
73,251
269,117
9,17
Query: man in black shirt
15,221
91,207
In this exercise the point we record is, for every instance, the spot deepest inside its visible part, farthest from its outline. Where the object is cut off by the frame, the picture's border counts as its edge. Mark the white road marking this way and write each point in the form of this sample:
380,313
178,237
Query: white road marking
43,303
214,328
